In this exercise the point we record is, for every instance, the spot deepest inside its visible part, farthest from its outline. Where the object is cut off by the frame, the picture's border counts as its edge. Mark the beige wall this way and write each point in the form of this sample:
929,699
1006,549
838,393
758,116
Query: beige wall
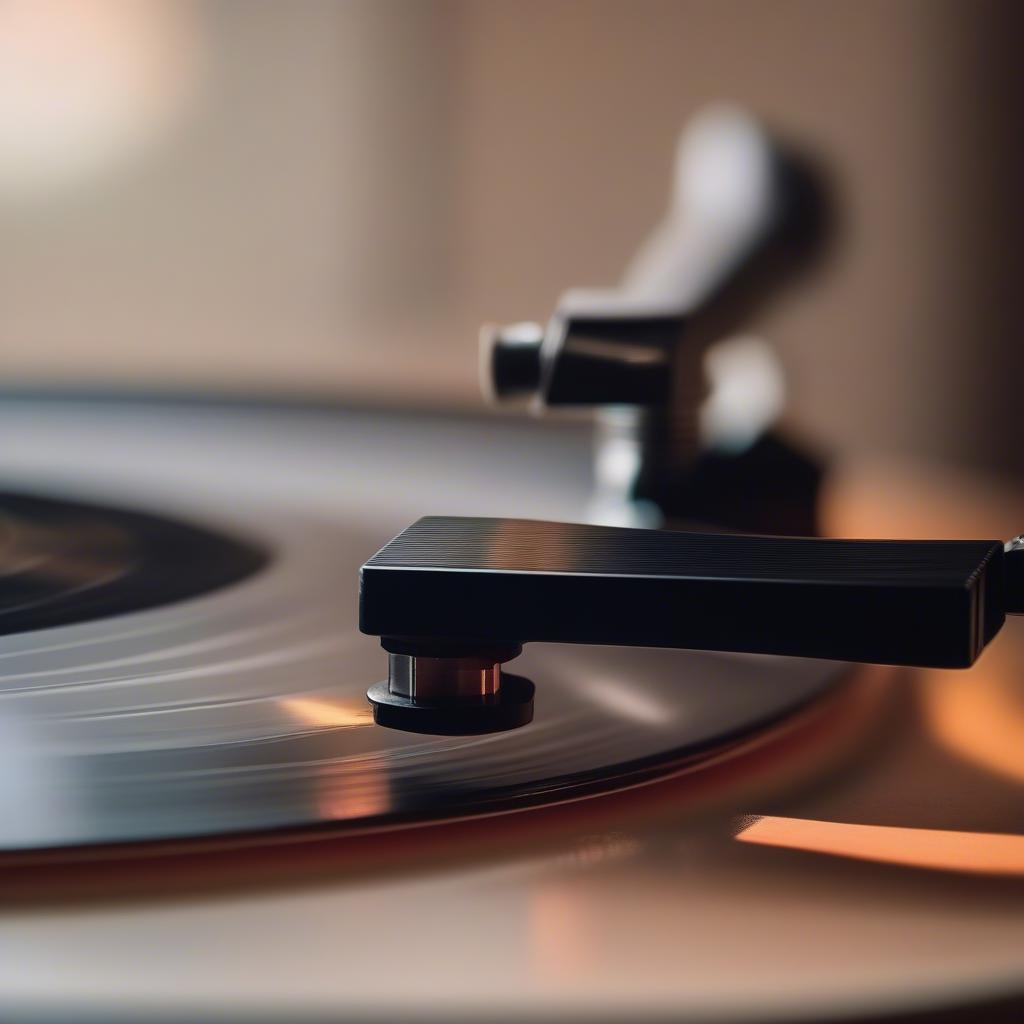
349,188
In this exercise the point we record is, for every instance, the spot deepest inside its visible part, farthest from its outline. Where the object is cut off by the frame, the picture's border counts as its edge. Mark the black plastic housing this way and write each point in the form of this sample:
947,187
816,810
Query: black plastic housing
928,603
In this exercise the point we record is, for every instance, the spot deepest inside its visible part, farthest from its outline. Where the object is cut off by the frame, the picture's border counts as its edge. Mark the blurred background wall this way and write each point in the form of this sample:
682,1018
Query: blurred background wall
327,198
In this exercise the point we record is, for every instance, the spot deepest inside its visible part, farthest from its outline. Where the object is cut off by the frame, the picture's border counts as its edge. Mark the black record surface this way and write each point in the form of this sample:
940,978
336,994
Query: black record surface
235,701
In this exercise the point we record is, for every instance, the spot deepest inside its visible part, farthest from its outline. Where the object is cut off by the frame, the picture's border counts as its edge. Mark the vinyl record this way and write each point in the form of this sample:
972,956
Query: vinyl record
235,702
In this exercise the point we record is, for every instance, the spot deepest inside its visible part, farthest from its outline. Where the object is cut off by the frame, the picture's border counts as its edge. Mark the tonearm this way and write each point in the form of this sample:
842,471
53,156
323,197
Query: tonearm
452,599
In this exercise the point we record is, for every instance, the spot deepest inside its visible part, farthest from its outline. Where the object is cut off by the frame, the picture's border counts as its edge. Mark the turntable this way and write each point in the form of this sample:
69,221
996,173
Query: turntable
706,789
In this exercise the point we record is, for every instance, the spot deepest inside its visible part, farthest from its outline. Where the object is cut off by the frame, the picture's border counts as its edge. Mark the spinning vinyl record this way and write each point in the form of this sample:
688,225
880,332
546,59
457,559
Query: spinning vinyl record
235,701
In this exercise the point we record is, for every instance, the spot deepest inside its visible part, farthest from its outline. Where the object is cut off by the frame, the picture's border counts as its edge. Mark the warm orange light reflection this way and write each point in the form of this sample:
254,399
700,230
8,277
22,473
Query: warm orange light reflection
983,853
562,935
979,715
363,793
976,715
329,714
524,545
362,790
